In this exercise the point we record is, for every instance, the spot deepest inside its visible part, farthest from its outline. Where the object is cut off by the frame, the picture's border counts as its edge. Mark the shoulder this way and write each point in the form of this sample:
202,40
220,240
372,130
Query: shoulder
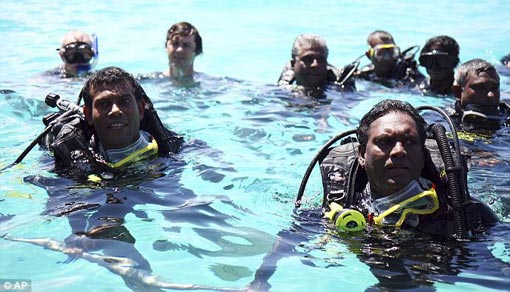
287,75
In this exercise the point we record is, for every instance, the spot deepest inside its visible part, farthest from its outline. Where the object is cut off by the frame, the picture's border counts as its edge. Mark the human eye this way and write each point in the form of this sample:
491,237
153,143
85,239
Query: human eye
383,141
125,100
102,104
307,59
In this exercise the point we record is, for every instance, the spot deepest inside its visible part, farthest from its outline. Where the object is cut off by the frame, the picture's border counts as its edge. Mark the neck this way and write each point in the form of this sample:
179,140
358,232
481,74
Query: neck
383,73
442,86
177,72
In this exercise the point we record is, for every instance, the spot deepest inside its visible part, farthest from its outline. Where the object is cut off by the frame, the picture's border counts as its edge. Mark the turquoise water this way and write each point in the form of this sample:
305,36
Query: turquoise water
211,219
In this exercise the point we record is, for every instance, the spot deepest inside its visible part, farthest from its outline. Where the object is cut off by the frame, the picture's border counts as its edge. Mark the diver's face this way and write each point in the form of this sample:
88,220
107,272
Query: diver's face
394,155
115,115
310,67
440,66
181,52
481,89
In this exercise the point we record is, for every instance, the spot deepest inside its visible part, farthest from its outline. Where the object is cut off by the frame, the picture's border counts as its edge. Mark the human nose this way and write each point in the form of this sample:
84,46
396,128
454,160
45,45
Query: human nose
115,110
315,63
398,149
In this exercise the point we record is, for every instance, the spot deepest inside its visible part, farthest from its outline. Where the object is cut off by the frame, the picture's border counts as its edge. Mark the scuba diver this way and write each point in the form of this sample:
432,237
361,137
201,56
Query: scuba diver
439,56
79,53
389,66
477,92
117,125
310,71
117,136
398,177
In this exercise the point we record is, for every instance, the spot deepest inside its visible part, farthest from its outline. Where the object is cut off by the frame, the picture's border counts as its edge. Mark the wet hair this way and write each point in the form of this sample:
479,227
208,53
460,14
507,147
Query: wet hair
110,76
475,66
303,41
385,107
384,36
185,29
447,44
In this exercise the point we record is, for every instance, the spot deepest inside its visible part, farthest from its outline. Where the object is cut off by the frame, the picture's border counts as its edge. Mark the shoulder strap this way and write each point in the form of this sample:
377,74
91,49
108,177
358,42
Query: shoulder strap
336,170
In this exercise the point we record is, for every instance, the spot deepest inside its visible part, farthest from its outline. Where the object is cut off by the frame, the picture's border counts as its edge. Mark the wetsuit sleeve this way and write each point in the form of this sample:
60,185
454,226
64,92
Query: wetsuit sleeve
287,75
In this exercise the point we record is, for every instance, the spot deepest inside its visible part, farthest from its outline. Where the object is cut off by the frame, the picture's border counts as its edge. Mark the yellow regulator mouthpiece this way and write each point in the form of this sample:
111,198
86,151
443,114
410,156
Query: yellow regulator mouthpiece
346,220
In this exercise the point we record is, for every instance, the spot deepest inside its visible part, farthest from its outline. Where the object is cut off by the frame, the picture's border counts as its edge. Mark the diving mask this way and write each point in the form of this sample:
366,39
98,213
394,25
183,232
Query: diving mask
384,51
77,52
438,60
480,114
418,198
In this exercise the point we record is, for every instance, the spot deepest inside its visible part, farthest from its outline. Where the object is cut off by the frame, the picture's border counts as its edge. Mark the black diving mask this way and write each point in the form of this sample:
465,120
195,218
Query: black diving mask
78,53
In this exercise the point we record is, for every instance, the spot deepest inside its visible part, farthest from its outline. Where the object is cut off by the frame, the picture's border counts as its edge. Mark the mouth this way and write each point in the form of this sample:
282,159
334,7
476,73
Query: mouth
117,125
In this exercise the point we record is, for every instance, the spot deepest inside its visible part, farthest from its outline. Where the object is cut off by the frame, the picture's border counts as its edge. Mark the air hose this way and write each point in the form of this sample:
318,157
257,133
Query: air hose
455,174
315,159
454,171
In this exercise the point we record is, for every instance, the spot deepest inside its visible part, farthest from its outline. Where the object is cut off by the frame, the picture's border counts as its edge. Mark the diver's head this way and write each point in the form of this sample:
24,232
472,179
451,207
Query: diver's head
114,107
78,52
183,43
392,152
382,52
476,87
309,60
440,56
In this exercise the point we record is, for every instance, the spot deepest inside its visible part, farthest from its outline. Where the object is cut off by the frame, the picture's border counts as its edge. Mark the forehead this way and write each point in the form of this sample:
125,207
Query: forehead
393,122
111,90
489,76
76,37
182,38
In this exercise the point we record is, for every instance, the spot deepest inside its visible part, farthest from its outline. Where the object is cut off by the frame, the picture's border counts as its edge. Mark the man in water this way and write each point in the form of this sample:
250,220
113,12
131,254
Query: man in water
78,52
390,178
439,56
476,88
119,126
309,68
183,44
389,66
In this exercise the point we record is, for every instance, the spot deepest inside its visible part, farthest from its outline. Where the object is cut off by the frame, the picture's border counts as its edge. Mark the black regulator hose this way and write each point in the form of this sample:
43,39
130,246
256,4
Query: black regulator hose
455,136
455,174
315,159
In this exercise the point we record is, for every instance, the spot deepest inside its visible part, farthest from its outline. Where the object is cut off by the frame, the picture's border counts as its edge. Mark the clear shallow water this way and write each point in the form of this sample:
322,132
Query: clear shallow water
212,219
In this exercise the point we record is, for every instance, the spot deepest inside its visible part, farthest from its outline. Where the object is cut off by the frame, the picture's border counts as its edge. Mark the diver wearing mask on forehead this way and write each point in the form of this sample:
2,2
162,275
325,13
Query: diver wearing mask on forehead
477,91
79,54
389,66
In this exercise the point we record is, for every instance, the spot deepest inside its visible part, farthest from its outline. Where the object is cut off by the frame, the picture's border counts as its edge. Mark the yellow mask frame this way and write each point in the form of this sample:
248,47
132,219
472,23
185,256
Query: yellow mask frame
430,193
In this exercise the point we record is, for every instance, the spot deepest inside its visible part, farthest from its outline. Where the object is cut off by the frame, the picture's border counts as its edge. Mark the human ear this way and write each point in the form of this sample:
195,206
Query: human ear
87,111
457,91
141,109
361,156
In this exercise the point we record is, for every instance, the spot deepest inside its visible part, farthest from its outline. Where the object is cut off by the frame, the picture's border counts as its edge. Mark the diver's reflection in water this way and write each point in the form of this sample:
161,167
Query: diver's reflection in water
399,261
96,215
